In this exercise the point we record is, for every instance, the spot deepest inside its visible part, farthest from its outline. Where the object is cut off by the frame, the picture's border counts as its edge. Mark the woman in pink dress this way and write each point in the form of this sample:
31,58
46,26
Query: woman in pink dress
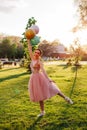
41,87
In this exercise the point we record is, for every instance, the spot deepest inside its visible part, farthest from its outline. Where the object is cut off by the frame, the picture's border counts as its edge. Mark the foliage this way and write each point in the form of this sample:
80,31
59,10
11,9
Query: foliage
49,47
10,49
31,22
25,63
69,63
19,51
0,65
76,51
84,58
5,48
82,11
45,47
18,113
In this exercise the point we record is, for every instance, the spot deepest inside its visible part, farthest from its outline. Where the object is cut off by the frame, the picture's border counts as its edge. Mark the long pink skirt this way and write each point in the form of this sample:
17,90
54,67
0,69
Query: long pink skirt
40,88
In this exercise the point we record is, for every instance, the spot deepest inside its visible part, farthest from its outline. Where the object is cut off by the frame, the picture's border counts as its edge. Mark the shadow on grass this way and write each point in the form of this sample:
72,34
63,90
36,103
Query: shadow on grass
69,66
2,70
75,69
32,127
53,126
12,76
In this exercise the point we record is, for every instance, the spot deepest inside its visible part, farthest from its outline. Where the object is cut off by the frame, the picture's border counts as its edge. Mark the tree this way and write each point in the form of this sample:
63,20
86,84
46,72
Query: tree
82,11
31,22
49,47
45,47
19,51
76,51
12,51
4,48
11,48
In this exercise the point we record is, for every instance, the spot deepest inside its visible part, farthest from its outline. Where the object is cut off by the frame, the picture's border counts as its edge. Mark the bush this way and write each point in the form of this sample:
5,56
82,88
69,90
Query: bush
25,63
21,63
1,65
84,58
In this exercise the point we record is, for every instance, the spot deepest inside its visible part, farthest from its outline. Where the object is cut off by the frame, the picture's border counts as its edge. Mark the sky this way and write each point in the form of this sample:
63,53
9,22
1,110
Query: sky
55,18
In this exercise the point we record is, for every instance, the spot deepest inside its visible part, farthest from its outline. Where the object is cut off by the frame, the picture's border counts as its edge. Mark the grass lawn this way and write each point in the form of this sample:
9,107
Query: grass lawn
18,113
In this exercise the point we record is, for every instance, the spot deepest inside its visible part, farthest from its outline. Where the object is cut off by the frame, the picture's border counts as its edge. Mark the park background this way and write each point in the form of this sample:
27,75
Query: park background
63,40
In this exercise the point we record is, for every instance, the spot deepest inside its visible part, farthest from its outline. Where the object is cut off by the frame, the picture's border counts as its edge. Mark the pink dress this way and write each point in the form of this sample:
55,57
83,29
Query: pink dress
40,88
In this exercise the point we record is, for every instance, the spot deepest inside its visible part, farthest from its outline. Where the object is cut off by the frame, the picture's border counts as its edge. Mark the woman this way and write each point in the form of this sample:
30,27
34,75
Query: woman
41,87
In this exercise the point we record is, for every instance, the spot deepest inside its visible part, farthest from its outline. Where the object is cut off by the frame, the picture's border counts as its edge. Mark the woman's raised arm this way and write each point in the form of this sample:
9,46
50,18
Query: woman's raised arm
30,49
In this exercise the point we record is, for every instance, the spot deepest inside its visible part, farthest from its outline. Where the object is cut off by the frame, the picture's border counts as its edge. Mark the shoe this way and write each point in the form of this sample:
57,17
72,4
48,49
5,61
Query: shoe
41,114
68,100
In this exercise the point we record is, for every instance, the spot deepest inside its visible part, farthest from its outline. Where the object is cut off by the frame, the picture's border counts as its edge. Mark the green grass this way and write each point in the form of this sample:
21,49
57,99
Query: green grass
18,113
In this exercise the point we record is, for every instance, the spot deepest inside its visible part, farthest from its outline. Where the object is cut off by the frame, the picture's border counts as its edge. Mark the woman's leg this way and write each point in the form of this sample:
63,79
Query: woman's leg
42,108
61,94
42,105
65,97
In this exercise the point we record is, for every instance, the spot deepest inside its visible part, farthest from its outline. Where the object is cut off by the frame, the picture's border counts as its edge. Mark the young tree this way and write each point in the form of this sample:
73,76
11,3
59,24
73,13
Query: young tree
76,51
82,12
31,22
